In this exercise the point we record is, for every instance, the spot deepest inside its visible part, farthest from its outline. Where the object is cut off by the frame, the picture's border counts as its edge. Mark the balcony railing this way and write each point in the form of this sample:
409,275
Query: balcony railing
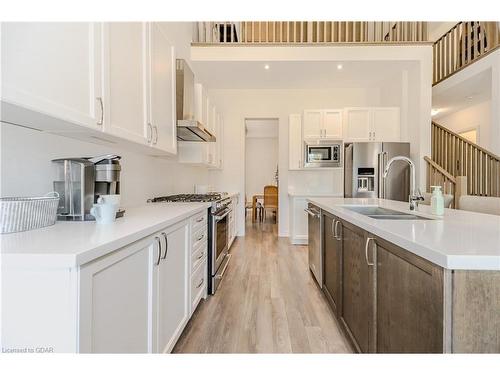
308,32
465,43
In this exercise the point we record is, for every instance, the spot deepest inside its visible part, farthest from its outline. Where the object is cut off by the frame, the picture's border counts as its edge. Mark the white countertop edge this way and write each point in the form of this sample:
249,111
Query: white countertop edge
451,262
55,260
309,194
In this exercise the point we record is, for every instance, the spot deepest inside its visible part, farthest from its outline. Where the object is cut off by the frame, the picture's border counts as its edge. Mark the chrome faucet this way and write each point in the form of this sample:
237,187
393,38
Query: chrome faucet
415,195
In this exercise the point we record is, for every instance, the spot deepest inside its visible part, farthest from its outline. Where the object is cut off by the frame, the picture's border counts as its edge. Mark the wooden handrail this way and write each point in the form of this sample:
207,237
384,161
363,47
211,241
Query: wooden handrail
440,169
463,44
461,157
310,32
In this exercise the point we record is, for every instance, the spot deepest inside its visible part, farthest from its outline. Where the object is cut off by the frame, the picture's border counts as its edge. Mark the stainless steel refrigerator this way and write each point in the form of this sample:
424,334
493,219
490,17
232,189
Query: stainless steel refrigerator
364,164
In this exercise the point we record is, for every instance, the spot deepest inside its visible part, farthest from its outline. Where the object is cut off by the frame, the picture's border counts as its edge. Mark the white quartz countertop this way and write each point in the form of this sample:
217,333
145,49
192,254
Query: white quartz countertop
309,194
458,240
69,244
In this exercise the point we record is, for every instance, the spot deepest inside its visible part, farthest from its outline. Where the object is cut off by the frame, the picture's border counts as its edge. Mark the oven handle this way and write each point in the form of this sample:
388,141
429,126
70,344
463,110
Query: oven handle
220,217
221,275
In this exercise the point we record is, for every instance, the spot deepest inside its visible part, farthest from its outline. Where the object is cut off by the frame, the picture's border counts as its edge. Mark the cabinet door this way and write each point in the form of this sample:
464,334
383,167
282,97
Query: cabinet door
357,289
162,70
357,124
172,283
386,125
295,142
313,124
332,260
125,99
332,124
53,68
299,220
115,307
409,302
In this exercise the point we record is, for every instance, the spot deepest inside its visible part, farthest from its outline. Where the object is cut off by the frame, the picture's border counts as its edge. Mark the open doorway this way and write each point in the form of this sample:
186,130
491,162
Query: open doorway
261,172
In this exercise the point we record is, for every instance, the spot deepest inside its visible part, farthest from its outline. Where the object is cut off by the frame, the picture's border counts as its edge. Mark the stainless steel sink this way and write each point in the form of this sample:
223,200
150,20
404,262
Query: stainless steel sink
381,213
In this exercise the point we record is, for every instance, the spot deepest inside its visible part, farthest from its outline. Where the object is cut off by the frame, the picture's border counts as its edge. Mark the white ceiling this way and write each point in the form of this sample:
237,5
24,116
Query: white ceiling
296,74
474,90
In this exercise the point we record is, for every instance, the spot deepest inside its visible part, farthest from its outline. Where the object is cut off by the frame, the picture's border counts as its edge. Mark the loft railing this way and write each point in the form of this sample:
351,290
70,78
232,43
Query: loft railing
461,157
301,32
465,43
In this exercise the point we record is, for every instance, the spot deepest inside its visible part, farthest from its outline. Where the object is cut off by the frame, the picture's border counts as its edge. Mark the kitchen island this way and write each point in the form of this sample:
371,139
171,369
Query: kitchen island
425,285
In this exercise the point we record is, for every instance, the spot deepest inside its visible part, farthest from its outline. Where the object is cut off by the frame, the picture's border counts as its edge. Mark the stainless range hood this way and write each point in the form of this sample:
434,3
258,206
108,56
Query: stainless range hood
188,128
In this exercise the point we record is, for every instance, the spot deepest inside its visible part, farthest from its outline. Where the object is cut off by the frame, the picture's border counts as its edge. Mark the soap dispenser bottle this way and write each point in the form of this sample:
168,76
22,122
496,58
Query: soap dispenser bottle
437,201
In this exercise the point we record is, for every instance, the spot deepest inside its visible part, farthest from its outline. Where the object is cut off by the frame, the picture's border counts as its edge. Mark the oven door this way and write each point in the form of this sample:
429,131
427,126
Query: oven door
220,230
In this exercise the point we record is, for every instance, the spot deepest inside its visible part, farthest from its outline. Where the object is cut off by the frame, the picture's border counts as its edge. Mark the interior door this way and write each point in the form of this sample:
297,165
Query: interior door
332,260
53,68
125,82
162,70
312,127
172,289
357,289
358,124
332,124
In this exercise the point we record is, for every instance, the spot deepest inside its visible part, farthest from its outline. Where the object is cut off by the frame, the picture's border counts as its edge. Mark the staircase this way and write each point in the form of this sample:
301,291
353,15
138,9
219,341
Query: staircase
461,167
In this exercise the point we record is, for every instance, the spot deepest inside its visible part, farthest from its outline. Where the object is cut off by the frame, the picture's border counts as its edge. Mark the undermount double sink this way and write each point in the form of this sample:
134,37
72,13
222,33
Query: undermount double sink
380,213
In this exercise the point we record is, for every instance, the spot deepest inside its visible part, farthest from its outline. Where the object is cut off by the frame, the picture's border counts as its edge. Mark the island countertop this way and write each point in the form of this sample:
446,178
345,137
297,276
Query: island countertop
70,244
457,240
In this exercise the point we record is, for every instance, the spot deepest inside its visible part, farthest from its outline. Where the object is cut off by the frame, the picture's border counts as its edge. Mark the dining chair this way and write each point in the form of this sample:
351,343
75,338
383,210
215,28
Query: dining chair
270,200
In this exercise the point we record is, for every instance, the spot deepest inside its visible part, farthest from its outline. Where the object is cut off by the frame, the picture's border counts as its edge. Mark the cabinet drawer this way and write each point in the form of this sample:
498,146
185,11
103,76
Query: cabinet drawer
199,237
198,285
198,257
199,221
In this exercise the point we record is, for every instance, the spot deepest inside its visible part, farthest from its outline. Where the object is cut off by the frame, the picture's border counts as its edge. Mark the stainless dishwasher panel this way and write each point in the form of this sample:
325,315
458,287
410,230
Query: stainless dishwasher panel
314,242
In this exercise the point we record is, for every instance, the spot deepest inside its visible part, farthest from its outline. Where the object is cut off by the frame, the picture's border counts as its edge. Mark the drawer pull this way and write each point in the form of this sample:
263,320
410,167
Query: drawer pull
201,283
201,255
201,237
200,219
366,251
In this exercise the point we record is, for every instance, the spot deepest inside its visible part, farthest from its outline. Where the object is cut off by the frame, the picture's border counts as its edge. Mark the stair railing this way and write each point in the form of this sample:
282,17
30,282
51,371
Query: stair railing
438,176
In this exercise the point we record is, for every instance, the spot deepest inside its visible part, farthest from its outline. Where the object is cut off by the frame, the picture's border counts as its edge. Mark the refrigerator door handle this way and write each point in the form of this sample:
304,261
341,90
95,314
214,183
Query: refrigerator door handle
382,162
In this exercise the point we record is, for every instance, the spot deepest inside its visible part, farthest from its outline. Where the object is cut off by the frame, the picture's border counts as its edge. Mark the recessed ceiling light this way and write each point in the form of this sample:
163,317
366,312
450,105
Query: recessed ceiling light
266,67
469,97
339,66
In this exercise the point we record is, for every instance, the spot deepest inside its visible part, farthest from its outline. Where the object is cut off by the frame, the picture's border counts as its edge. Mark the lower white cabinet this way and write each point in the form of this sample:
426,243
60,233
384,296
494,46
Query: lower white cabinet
298,220
170,287
232,220
116,312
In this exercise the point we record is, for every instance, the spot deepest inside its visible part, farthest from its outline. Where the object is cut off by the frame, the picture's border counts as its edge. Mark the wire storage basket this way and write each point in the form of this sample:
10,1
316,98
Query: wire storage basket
18,214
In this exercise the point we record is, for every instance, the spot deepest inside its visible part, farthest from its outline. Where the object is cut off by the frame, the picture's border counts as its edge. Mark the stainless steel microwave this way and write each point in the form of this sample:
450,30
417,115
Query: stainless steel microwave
323,155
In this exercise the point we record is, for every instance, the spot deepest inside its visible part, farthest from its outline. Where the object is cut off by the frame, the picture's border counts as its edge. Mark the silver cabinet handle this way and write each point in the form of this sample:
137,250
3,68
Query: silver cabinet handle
201,255
201,283
200,219
200,238
101,121
336,234
366,251
309,212
156,135
149,135
157,239
166,244
334,225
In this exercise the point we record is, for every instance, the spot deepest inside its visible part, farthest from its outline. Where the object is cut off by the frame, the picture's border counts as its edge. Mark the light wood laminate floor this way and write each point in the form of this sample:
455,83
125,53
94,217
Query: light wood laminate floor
268,302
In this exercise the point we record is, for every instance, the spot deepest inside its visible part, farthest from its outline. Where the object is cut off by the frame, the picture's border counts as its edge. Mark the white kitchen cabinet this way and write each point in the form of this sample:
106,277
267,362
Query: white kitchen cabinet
115,307
125,101
379,124
199,259
232,220
322,124
295,147
298,220
171,288
386,124
161,83
53,69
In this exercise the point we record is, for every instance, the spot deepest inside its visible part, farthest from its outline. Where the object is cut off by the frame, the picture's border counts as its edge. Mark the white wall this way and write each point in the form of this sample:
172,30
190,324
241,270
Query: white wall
26,166
261,160
477,116
238,104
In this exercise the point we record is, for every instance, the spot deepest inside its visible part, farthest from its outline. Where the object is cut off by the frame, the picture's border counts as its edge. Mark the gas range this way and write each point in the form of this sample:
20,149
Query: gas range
219,200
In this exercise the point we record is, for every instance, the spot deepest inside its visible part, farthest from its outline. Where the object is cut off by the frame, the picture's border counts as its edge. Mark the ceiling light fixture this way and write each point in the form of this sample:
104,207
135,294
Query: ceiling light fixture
339,66
266,67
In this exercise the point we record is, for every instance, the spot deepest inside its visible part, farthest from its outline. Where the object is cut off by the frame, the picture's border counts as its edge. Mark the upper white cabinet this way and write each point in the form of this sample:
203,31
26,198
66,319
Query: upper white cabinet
125,51
162,111
295,153
378,124
322,124
53,69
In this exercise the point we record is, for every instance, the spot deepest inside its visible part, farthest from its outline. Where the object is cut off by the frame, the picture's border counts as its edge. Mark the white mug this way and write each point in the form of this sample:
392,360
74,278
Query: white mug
110,198
104,213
